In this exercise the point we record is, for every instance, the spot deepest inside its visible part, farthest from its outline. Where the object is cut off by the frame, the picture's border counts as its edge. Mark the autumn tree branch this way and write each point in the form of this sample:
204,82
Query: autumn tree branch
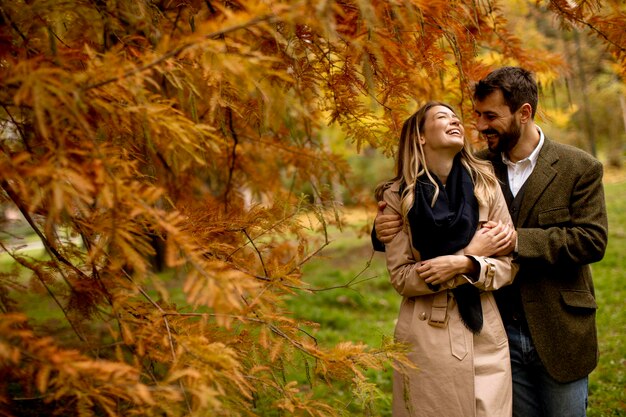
19,129
270,18
46,243
37,272
257,251
568,15
233,154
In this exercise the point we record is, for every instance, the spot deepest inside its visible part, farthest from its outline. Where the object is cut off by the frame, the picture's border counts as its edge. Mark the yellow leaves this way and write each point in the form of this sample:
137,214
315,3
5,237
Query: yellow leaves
143,395
42,378
127,334
67,188
219,286
365,392
51,94
64,373
346,359
178,374
212,371
559,117
10,328
299,403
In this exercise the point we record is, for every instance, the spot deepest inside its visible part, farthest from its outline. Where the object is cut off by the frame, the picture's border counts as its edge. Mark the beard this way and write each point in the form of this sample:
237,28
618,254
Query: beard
506,140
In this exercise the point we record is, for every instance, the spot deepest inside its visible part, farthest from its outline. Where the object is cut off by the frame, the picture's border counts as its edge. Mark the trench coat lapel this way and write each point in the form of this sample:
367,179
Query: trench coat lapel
543,174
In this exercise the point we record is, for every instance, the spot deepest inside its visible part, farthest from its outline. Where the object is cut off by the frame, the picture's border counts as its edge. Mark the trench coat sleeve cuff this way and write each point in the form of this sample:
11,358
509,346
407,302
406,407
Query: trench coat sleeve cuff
376,244
485,275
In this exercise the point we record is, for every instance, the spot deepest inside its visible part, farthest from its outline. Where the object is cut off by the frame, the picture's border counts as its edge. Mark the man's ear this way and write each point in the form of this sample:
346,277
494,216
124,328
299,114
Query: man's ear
526,112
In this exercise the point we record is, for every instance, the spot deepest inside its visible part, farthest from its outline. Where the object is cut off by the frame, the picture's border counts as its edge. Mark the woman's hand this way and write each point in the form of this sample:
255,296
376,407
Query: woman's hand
443,268
492,239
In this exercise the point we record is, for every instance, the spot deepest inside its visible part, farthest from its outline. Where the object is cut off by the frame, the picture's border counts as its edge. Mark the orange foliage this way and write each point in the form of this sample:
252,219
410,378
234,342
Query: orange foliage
604,19
140,136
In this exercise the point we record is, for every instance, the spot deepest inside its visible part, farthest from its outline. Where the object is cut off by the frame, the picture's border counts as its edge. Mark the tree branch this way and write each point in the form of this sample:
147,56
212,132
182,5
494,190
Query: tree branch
233,155
49,248
177,51
257,251
272,327
25,264
18,127
565,14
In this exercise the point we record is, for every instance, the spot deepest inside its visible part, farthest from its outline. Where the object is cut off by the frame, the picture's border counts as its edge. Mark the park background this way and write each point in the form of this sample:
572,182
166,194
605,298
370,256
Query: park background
187,189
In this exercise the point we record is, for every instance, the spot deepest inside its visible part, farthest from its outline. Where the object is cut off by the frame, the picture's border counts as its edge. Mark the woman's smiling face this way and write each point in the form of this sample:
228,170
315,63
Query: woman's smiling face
442,130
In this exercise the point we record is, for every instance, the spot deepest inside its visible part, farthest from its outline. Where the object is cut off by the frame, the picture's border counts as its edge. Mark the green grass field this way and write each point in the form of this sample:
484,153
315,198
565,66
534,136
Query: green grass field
366,311
607,387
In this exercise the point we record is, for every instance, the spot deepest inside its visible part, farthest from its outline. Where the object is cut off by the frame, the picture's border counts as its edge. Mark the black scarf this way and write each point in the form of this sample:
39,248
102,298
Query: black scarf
447,227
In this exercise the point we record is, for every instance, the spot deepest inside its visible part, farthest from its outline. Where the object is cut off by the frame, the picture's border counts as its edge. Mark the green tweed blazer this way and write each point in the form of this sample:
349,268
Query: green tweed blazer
562,228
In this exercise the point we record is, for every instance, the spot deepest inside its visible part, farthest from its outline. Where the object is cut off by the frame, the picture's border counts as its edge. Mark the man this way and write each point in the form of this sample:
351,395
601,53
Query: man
555,196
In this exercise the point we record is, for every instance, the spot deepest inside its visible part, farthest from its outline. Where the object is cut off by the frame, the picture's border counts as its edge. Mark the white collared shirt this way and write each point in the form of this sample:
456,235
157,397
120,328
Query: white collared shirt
519,171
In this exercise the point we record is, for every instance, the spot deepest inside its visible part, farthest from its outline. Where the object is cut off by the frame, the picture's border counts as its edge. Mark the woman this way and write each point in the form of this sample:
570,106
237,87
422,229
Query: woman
448,316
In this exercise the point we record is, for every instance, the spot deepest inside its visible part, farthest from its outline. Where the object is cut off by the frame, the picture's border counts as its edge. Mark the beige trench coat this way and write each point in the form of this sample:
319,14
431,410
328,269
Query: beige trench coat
457,374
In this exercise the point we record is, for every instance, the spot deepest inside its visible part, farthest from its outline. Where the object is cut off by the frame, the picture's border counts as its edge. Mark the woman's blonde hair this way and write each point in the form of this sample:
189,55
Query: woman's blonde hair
411,163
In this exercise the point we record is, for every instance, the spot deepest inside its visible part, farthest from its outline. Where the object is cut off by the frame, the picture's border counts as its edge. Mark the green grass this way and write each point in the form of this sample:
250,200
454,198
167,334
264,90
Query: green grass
353,302
607,385
366,311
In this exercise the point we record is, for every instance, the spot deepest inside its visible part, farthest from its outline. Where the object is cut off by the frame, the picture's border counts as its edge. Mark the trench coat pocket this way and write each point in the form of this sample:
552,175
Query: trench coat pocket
554,216
579,300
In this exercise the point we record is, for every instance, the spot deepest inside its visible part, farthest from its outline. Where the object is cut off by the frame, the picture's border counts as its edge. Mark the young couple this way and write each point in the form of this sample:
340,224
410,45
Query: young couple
491,255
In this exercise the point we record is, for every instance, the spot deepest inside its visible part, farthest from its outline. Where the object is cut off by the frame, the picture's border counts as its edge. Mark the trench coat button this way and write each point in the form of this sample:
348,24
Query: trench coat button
422,316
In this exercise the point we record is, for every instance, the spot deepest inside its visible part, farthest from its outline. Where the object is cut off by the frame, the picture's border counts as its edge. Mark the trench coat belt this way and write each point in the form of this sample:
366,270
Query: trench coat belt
439,310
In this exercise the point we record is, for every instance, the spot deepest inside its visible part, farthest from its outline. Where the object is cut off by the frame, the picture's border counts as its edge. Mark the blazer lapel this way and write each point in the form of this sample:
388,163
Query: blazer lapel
539,179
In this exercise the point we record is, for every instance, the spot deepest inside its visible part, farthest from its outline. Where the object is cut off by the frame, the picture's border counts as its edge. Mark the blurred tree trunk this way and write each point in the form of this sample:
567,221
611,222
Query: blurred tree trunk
584,94
616,155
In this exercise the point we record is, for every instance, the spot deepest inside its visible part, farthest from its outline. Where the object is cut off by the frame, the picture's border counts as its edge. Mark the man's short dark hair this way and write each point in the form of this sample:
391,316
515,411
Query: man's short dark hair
517,85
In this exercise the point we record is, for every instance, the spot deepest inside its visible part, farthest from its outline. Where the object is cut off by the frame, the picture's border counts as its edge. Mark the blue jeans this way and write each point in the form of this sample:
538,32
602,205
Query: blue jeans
535,392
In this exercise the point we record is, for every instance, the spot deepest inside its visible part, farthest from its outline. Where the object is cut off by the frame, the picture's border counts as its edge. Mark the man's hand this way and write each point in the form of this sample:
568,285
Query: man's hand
387,226
492,239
